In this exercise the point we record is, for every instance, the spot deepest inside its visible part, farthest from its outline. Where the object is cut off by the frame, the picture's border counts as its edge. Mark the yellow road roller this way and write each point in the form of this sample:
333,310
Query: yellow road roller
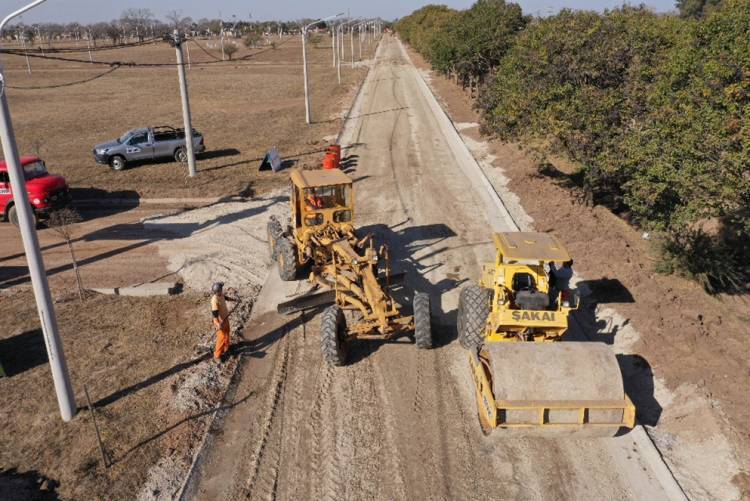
527,378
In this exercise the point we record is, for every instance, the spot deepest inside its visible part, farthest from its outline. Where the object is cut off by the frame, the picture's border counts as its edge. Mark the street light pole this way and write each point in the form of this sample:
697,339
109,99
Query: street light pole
55,352
308,118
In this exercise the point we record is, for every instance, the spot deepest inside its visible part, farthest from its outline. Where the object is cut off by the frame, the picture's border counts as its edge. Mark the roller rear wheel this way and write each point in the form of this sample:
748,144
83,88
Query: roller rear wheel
474,305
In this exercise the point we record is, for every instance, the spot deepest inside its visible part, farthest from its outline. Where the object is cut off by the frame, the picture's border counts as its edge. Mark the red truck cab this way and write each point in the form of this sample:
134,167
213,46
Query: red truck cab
47,192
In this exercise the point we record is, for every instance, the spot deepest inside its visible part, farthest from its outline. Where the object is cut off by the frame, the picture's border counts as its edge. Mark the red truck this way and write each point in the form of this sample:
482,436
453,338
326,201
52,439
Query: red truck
47,192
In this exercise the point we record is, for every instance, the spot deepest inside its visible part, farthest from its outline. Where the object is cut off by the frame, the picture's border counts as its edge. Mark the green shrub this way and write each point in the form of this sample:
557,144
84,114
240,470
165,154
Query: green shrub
654,108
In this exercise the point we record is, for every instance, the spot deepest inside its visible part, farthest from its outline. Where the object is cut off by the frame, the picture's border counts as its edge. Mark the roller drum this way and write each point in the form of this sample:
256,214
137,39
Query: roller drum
557,372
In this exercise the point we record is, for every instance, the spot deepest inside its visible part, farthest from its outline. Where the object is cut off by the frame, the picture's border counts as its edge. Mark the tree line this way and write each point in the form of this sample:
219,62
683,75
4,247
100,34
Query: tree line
140,24
652,108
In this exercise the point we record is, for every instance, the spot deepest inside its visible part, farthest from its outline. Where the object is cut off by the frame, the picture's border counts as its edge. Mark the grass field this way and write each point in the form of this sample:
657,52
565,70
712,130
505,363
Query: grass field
243,107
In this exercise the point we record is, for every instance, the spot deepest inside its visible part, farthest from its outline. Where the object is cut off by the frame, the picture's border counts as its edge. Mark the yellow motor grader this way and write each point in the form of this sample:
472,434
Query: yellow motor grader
511,322
354,274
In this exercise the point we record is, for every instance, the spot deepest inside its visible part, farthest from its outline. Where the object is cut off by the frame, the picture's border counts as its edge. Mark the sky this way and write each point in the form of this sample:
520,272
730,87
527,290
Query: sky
85,11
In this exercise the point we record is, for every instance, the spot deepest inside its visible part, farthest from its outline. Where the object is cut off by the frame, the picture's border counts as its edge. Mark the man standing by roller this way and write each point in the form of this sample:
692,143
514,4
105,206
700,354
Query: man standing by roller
220,315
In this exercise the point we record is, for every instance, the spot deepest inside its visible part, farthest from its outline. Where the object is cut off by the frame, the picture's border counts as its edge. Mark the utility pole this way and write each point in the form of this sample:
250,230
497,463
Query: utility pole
177,41
351,42
223,57
47,317
190,61
338,60
26,53
333,43
88,44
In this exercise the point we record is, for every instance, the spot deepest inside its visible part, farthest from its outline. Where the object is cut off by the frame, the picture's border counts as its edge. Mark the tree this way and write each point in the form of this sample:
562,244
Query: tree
61,222
696,8
176,21
251,39
230,49
113,31
137,21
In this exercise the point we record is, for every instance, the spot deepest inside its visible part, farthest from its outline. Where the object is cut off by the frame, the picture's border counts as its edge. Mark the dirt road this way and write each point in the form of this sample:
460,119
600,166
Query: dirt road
398,423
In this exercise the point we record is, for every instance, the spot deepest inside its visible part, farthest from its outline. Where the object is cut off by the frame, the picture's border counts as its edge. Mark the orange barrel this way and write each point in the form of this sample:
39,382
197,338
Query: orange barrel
329,162
335,149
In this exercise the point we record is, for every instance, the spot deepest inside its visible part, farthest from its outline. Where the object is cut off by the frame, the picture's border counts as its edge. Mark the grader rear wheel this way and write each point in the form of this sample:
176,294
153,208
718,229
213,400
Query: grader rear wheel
333,336
422,321
286,257
474,304
274,232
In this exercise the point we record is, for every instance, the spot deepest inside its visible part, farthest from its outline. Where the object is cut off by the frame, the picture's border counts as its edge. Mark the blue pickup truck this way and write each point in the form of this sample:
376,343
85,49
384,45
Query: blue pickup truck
143,145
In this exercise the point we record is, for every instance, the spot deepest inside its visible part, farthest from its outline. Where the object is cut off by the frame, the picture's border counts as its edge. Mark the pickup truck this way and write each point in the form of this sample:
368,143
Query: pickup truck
142,145
47,192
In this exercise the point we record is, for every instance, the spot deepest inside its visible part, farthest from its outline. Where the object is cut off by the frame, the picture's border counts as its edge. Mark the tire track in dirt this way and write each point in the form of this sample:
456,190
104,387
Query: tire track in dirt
297,441
260,459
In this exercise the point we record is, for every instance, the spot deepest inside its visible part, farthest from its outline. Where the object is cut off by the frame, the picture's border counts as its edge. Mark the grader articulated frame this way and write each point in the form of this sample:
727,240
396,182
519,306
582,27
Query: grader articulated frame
355,276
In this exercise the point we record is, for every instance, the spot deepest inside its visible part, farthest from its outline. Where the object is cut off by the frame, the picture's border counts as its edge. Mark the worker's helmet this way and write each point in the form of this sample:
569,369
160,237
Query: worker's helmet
217,287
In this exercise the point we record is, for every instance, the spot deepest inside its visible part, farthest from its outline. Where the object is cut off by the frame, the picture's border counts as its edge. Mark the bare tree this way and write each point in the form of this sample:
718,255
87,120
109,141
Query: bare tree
61,222
113,31
137,21
175,20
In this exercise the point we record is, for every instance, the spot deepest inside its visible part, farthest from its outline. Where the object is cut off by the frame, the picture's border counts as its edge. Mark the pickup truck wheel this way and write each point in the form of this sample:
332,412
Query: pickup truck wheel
117,163
13,217
181,155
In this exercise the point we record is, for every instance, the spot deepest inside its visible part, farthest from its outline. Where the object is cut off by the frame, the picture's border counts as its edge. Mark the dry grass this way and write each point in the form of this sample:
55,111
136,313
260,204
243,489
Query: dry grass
243,108
111,345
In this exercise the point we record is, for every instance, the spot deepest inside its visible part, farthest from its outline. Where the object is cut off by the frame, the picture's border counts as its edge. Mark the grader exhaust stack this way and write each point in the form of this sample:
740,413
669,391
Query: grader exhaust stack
525,380
354,273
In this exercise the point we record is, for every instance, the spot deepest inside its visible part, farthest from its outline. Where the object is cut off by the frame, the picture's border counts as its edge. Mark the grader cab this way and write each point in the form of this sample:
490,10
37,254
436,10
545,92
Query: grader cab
510,322
354,274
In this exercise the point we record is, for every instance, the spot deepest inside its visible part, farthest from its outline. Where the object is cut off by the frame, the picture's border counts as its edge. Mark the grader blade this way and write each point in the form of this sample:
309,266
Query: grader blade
308,302
566,387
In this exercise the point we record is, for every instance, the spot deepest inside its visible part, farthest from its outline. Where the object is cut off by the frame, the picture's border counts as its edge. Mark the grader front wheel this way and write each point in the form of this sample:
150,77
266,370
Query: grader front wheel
422,321
333,336
286,257
474,305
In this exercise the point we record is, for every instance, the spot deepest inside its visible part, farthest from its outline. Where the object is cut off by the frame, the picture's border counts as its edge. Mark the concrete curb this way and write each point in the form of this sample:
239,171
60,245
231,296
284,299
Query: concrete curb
143,290
639,434
136,202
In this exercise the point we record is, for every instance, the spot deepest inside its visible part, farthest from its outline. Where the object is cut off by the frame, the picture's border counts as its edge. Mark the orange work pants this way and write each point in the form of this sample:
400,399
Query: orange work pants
222,340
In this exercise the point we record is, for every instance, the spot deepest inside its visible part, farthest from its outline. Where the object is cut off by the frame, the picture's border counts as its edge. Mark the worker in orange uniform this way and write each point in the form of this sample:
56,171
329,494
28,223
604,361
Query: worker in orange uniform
313,201
220,315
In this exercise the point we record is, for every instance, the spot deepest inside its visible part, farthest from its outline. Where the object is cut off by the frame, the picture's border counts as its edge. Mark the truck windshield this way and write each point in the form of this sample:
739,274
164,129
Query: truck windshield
34,169
125,137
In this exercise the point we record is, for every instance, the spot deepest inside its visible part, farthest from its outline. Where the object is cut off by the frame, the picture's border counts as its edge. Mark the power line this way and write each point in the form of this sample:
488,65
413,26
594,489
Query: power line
68,84
132,64
61,50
